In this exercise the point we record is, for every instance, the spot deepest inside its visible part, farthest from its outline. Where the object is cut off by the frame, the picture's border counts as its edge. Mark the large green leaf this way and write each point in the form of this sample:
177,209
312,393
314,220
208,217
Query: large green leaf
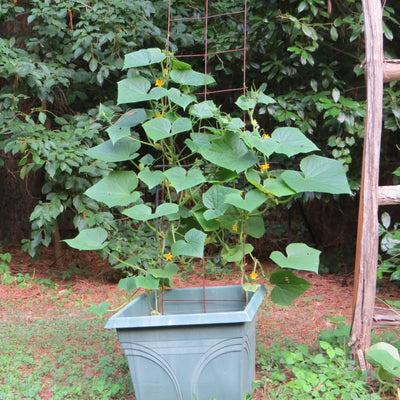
89,239
230,152
245,103
132,118
319,174
137,89
166,274
181,125
250,202
143,58
124,149
190,77
291,141
203,110
181,179
191,246
116,189
386,357
277,187
287,287
177,97
151,178
199,141
131,283
142,212
299,256
266,145
157,128
214,200
206,225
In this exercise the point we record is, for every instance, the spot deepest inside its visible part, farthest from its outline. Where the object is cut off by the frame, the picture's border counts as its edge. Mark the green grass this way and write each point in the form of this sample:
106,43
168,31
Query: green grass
63,358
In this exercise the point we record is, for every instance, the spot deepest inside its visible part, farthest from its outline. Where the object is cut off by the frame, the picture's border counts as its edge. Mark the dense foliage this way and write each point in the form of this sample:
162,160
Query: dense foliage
60,59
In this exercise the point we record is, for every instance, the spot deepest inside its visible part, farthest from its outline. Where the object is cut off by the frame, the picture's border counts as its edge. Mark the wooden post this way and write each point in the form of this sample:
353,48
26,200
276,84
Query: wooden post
391,71
367,237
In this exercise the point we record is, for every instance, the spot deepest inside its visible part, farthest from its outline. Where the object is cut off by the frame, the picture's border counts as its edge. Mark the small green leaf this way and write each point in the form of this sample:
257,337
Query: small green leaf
214,200
235,254
144,57
116,132
177,97
190,77
191,246
142,212
386,356
89,239
252,200
287,287
291,141
42,117
299,257
245,103
116,189
203,110
100,309
132,118
151,178
181,125
181,179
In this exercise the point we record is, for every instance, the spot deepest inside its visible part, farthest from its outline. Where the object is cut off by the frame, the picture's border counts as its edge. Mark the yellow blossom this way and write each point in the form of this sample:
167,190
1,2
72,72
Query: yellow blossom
253,275
265,166
234,227
159,83
255,122
266,136
159,115
168,256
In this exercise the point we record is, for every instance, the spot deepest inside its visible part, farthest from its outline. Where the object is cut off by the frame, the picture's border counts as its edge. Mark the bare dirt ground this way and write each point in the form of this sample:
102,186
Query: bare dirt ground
329,295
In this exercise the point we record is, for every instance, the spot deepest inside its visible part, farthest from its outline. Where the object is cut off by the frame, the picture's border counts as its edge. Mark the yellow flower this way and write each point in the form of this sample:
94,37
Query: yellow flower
168,256
159,83
255,122
266,136
253,275
234,227
159,115
265,166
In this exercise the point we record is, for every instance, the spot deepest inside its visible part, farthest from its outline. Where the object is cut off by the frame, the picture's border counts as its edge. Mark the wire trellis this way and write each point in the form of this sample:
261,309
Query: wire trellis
206,15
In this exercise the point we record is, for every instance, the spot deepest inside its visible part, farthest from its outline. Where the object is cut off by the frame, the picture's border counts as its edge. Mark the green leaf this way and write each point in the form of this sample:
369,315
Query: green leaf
230,152
157,128
136,89
235,254
116,189
167,273
181,125
319,174
147,282
203,110
181,179
190,77
255,226
264,99
177,97
198,142
385,356
206,225
132,118
143,58
291,142
287,287
277,187
252,200
191,246
89,239
124,149
151,178
214,200
142,212
245,103
116,132
299,257
100,309
266,146
42,117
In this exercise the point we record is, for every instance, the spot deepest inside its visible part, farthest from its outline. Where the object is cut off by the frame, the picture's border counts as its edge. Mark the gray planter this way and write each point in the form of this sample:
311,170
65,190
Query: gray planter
197,349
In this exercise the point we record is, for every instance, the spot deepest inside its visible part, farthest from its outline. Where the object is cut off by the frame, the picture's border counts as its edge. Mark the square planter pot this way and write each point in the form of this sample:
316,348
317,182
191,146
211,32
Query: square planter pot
201,348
